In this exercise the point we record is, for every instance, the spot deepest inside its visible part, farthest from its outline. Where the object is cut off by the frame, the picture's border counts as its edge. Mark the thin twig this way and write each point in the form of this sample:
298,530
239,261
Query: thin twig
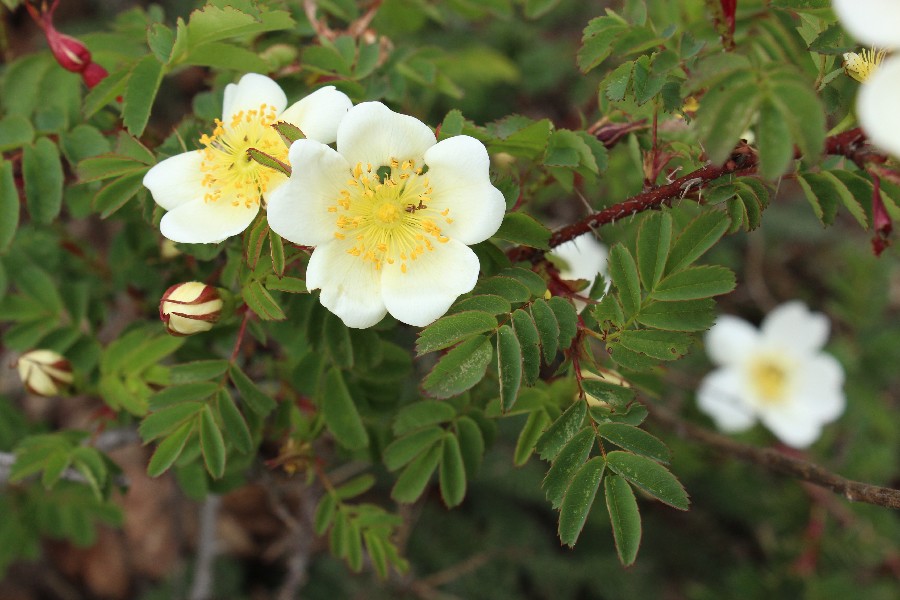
207,548
777,462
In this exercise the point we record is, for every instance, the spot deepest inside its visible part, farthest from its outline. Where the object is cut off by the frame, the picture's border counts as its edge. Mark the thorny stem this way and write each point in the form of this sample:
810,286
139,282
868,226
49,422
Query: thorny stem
777,462
742,162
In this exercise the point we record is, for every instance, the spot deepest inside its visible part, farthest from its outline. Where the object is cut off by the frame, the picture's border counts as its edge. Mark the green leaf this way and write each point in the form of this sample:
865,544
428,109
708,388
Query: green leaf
415,476
695,282
654,238
43,175
527,334
857,201
523,229
534,282
83,141
561,431
337,340
624,273
276,249
118,192
226,56
567,318
566,463
422,414
598,40
800,104
535,9
9,206
140,92
255,399
629,359
726,112
567,149
535,424
578,500
449,330
213,23
471,444
662,345
269,161
291,285
254,240
340,412
234,425
355,487
824,192
547,327
487,303
289,132
687,315
198,370
699,236
324,514
262,303
650,476
615,395
635,440
773,138
15,131
459,369
165,420
403,450
509,366
170,449
105,92
212,444
506,287
452,473
186,392
624,516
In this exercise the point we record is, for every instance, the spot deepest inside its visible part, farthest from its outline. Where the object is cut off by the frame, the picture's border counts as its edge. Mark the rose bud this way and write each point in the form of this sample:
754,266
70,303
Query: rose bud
189,308
44,372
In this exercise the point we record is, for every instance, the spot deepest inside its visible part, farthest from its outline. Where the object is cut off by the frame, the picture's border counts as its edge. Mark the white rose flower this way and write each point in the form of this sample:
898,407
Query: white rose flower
776,374
581,258
215,193
391,214
877,23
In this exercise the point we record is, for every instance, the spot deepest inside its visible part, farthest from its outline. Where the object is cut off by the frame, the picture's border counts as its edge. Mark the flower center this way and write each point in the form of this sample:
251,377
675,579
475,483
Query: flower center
769,377
861,66
228,171
388,214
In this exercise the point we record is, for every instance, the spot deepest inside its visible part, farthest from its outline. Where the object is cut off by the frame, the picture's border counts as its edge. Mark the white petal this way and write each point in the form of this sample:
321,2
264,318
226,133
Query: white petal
877,102
371,133
793,428
200,222
721,396
351,288
176,180
873,22
792,326
251,91
584,258
458,172
431,283
298,210
319,114
730,340
819,386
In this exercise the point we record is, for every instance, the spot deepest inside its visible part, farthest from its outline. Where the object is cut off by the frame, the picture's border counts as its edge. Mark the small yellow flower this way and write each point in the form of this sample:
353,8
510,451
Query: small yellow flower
861,66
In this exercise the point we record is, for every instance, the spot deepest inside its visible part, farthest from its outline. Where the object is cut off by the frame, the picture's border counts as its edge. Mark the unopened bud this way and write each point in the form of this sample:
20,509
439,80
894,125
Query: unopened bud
44,372
70,53
189,308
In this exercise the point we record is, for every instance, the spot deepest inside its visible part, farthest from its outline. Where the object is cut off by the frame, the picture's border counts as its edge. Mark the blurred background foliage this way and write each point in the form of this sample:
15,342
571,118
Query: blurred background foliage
749,534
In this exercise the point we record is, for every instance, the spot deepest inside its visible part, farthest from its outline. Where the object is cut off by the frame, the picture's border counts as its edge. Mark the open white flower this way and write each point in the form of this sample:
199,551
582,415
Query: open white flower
391,214
214,193
877,23
776,374
581,258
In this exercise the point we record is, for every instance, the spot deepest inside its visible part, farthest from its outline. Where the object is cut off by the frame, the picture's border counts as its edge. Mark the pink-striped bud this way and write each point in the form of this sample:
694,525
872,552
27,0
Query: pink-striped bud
44,372
189,308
